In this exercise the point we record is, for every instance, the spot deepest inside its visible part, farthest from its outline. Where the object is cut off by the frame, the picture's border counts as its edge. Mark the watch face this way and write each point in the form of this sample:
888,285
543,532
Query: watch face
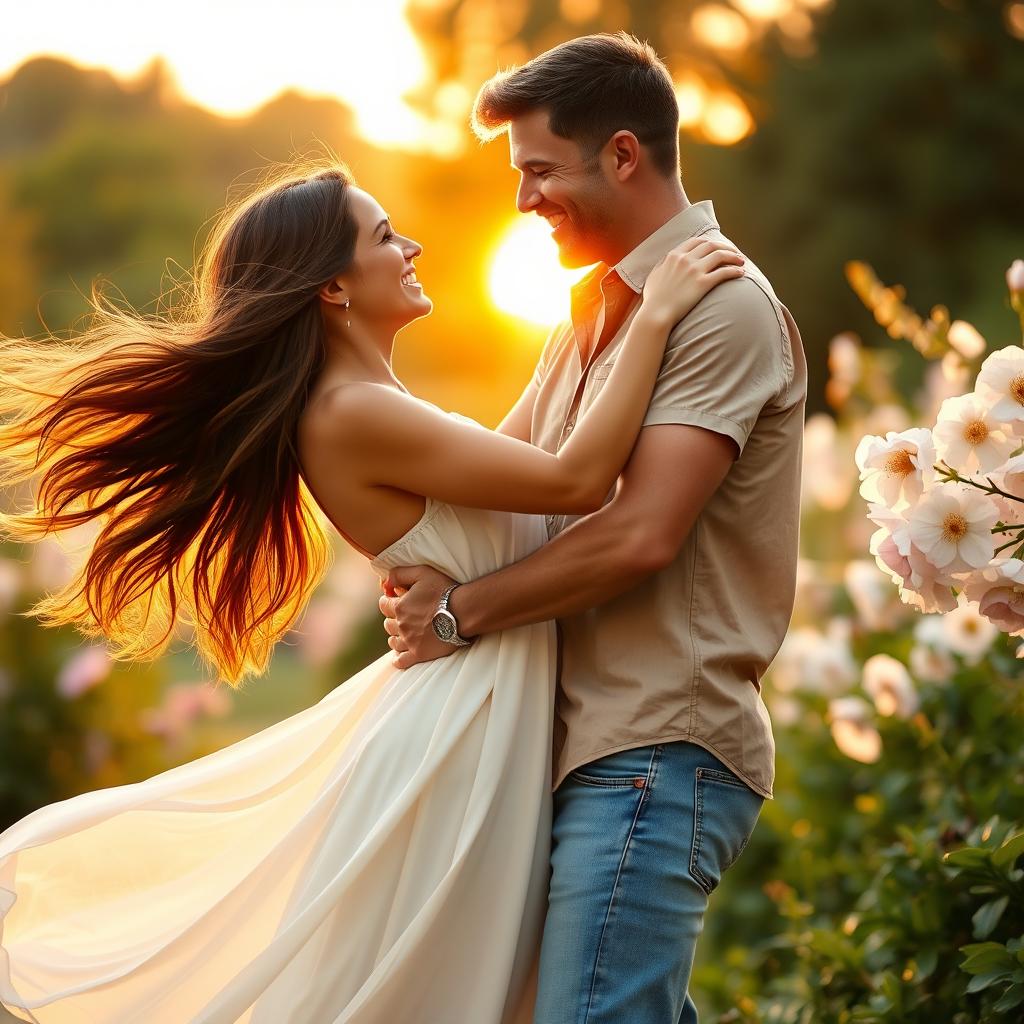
444,625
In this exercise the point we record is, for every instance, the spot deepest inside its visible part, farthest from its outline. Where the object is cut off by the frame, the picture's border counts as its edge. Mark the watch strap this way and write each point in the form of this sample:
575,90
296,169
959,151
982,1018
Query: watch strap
456,639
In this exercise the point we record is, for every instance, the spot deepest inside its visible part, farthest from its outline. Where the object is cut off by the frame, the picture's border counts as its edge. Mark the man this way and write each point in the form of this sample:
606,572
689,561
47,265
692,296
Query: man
674,597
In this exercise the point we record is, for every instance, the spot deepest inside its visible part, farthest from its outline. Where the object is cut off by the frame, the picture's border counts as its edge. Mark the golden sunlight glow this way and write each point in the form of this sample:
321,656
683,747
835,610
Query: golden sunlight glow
526,279
764,9
1014,16
578,11
726,119
690,95
231,58
719,27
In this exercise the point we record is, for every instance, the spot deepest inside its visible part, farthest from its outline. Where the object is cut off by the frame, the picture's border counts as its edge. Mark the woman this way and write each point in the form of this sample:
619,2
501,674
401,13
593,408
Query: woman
382,855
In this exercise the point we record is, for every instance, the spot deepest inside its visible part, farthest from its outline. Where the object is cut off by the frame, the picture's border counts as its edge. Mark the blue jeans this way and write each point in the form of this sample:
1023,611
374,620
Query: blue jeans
640,839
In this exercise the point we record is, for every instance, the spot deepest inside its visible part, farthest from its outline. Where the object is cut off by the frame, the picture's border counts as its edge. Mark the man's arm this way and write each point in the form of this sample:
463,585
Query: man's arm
673,471
612,550
723,363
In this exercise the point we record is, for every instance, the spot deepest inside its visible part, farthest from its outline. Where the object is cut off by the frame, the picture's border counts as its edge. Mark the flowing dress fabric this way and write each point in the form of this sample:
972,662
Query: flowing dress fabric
381,856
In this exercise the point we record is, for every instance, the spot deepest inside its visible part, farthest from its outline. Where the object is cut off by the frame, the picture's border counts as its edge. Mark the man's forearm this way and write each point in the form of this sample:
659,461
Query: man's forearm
595,559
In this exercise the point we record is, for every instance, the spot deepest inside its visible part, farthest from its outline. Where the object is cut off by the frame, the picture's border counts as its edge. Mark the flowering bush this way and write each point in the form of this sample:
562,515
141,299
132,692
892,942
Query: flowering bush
939,524
882,882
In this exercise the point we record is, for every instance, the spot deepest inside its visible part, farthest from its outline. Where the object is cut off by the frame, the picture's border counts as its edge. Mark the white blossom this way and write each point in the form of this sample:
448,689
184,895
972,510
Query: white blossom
965,338
952,527
968,633
853,731
970,437
813,662
889,685
872,595
1015,276
896,469
1000,384
933,665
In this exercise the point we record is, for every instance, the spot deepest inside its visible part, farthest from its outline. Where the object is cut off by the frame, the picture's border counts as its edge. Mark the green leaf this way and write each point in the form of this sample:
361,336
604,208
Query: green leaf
982,981
987,956
927,961
891,988
1008,853
1012,997
986,917
967,857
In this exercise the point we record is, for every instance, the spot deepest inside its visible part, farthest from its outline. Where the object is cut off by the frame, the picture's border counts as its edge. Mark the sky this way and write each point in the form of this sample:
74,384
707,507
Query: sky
232,56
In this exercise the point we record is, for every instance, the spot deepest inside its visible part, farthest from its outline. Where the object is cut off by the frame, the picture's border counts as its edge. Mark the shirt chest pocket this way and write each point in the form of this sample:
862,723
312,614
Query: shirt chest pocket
595,381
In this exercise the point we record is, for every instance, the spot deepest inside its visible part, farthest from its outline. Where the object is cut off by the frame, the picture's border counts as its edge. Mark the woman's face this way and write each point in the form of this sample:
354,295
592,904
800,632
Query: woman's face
381,283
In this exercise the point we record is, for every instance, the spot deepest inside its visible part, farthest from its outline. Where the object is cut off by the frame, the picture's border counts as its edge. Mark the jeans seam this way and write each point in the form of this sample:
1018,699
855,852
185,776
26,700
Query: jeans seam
698,813
720,776
651,773
609,783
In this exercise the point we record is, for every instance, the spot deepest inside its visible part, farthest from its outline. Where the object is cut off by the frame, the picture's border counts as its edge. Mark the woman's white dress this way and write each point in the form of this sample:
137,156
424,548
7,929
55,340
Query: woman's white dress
379,858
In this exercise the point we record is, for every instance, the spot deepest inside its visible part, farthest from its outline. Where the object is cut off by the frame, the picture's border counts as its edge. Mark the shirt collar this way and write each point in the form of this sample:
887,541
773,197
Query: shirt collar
634,267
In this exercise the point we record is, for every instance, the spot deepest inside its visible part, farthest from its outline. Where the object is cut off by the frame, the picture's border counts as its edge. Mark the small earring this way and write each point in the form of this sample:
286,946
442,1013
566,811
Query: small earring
348,302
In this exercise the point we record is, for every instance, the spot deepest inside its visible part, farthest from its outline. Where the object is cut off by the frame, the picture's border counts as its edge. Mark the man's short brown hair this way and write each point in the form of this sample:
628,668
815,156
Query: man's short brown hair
591,88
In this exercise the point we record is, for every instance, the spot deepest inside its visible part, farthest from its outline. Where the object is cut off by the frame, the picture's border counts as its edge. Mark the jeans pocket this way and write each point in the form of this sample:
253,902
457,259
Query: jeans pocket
626,769
725,811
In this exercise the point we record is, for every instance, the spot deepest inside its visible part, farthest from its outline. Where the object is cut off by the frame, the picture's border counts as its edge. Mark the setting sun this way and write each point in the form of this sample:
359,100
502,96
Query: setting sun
526,279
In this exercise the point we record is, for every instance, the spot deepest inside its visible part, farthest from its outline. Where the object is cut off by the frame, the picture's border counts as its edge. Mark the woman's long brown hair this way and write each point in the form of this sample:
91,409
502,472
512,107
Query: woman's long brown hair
177,433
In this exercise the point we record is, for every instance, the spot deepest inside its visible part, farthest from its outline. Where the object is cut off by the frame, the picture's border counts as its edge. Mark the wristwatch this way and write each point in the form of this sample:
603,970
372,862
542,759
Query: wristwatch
446,627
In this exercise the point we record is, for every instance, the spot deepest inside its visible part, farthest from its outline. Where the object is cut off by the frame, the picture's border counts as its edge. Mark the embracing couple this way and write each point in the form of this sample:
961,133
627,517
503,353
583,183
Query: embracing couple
504,820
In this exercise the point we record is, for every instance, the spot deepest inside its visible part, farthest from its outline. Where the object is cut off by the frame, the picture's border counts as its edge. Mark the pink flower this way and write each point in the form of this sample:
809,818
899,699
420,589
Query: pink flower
183,703
920,583
84,670
999,591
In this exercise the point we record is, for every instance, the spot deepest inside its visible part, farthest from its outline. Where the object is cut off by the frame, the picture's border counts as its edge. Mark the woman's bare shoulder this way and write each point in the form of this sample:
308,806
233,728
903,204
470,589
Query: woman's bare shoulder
364,406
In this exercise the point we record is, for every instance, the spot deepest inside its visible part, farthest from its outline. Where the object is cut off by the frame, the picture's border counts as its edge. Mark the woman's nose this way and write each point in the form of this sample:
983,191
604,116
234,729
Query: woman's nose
413,248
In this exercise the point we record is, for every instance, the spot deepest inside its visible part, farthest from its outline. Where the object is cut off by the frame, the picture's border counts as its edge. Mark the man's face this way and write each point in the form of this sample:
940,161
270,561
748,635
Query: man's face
560,184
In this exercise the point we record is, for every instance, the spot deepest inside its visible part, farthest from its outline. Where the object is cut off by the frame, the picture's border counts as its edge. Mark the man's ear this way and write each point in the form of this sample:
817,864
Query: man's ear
623,149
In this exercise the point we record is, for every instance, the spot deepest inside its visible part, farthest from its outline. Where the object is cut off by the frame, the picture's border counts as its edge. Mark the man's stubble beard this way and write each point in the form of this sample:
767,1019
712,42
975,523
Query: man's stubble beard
590,231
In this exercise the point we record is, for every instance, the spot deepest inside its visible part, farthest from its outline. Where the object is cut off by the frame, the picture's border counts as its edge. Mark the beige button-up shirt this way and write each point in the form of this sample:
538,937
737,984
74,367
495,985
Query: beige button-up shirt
680,657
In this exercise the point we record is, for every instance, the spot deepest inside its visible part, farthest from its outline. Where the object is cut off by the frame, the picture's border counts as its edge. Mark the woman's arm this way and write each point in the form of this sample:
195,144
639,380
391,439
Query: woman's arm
519,418
395,440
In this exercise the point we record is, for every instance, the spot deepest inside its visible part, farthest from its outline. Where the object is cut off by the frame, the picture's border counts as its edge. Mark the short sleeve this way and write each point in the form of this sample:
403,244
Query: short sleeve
723,363
547,355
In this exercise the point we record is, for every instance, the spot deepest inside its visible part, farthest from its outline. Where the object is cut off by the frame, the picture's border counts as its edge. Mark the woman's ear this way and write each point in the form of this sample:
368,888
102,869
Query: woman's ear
334,292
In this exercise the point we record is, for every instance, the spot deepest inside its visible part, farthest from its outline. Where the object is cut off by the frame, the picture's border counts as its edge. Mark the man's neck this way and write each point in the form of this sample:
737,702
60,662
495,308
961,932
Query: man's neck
645,218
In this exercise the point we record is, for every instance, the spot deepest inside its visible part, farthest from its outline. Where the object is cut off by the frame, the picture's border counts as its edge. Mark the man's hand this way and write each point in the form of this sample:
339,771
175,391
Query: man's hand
411,596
